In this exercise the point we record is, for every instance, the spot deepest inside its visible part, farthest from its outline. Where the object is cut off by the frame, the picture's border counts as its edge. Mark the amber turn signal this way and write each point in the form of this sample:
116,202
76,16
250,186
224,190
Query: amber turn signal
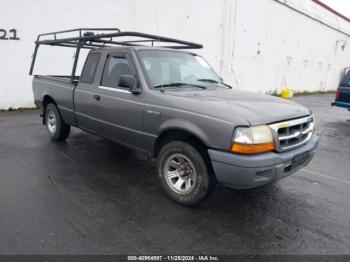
251,148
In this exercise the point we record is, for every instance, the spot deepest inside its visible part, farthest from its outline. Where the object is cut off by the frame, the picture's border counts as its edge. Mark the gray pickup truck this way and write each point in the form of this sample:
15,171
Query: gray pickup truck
172,105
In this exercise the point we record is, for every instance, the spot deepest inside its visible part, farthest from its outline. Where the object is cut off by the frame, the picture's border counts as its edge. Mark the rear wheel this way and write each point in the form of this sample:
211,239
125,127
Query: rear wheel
57,129
184,174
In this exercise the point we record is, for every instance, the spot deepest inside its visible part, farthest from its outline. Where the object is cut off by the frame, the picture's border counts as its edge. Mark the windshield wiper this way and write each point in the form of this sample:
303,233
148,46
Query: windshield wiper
214,81
178,85
208,80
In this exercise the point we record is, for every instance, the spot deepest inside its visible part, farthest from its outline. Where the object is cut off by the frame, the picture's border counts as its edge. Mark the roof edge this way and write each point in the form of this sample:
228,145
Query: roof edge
332,10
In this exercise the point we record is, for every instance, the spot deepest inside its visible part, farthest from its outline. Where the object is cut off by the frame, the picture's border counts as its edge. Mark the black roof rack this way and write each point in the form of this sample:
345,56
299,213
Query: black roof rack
100,37
91,38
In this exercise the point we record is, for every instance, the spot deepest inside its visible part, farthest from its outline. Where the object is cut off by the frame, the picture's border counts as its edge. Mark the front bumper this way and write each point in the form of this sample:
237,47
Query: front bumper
248,171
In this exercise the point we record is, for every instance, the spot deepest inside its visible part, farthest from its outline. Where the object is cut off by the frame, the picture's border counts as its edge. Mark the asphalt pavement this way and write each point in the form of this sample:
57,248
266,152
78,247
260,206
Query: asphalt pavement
90,196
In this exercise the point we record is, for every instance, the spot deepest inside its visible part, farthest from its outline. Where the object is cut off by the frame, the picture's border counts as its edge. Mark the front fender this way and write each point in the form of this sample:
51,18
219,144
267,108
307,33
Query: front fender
183,125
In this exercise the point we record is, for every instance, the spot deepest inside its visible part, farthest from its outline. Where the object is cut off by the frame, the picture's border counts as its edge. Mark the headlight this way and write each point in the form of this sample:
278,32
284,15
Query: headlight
252,140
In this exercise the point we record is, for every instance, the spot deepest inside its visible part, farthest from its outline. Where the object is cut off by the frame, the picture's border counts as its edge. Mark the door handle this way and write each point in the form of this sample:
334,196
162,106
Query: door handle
97,97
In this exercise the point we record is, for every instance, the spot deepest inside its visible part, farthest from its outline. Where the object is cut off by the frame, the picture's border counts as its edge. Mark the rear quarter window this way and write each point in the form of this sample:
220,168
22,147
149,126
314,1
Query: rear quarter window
90,67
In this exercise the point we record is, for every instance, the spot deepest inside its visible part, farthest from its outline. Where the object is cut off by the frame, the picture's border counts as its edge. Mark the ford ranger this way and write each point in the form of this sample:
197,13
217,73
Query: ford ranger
149,94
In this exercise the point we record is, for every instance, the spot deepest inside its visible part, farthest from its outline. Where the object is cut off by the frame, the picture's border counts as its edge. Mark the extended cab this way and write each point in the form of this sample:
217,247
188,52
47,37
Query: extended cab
172,105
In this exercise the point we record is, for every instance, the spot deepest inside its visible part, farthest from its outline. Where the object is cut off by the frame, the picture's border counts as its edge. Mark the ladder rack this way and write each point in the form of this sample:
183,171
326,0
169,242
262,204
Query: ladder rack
91,38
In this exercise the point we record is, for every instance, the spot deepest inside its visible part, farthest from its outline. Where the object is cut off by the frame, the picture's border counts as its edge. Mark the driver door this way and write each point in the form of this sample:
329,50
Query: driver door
117,113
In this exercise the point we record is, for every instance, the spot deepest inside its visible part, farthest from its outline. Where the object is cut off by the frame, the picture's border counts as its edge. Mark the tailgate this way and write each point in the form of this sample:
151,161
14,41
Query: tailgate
344,94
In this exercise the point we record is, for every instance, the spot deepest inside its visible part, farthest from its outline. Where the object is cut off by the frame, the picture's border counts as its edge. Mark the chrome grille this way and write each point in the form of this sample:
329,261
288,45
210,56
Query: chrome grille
292,133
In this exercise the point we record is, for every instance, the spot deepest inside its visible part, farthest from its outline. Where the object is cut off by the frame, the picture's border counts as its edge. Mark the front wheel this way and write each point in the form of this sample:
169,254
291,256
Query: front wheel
57,129
184,174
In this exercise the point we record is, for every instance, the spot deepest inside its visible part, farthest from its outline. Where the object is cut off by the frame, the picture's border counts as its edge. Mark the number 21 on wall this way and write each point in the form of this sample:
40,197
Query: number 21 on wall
10,35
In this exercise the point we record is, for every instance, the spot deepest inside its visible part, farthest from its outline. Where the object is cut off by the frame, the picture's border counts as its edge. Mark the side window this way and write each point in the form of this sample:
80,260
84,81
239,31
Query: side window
90,67
114,68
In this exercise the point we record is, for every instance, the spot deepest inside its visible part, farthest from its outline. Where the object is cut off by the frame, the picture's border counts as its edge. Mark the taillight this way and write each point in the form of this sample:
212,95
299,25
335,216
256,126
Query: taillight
337,95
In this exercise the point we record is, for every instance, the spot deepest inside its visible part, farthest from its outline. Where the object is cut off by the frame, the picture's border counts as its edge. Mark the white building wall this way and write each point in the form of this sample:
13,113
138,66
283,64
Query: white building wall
258,45
274,46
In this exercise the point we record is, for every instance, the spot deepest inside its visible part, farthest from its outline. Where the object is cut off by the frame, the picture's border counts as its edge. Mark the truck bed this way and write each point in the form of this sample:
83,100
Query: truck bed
58,88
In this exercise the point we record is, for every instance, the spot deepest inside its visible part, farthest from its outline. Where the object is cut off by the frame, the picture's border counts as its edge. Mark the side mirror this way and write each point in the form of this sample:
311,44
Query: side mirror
130,82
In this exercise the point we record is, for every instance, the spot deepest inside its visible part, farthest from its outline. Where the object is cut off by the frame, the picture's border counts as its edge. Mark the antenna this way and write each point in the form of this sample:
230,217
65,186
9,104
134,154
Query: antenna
157,20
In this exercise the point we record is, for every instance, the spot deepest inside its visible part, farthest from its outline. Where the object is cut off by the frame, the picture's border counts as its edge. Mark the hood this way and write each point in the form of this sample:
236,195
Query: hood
231,104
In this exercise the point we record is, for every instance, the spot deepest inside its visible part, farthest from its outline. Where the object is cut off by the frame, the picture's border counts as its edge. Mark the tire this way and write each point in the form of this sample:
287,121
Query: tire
184,174
57,129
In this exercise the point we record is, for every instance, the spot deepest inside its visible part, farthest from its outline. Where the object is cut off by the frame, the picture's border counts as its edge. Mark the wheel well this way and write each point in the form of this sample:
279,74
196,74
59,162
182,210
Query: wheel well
47,100
179,135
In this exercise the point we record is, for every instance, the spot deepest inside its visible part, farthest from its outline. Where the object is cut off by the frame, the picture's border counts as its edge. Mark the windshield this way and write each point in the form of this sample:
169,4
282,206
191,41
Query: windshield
174,69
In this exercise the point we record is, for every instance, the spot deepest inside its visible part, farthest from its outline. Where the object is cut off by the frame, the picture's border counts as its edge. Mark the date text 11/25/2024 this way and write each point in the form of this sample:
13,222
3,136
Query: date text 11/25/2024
173,258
